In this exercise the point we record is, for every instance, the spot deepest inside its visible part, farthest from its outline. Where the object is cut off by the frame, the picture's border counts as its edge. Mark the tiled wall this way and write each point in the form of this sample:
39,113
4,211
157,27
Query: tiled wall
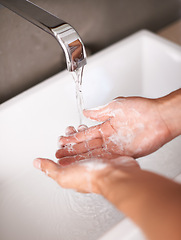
28,55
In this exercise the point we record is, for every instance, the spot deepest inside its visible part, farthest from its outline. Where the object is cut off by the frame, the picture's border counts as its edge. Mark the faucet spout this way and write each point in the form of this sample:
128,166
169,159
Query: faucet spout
64,33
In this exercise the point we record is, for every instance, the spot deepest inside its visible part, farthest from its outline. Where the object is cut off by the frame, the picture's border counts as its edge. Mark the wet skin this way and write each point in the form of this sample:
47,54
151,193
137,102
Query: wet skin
134,127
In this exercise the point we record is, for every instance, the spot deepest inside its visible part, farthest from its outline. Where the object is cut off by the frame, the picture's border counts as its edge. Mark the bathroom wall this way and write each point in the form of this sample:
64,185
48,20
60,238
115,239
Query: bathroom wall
28,55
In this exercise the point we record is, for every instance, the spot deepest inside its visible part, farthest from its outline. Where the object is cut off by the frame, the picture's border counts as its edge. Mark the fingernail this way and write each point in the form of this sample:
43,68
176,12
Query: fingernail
82,127
70,130
37,163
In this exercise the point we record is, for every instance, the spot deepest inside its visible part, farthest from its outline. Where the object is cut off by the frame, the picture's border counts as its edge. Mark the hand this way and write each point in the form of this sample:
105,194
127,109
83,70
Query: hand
150,200
131,126
84,176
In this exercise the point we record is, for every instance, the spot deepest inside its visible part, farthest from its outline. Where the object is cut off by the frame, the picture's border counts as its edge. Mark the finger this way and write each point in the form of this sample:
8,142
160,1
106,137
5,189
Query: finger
70,130
79,148
82,127
100,114
100,131
49,167
88,134
99,153
74,176
72,159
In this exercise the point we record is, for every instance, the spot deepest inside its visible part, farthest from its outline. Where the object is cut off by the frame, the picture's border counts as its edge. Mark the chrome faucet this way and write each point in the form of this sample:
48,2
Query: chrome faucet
64,33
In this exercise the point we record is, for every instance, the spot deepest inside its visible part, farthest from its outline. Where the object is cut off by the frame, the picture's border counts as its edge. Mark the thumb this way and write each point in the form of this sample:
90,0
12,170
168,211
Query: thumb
47,166
100,114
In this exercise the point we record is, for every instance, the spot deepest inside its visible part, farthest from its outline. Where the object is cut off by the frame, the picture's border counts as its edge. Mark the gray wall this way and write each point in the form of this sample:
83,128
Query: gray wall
28,55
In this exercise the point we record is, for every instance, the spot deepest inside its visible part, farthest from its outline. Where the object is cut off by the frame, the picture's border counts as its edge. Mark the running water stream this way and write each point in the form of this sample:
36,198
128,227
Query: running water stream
77,76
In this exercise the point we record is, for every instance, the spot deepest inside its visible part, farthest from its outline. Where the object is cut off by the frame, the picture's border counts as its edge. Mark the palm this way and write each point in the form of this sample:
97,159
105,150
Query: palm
135,127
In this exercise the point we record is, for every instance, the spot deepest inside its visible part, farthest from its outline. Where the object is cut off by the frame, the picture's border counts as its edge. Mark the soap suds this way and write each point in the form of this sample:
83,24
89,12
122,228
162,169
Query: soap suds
47,173
94,164
69,147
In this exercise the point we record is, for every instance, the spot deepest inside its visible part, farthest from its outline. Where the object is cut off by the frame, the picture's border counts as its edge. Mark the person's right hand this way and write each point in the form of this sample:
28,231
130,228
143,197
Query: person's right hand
131,126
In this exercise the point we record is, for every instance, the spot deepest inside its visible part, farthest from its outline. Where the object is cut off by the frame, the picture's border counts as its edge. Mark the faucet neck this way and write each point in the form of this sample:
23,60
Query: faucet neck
66,35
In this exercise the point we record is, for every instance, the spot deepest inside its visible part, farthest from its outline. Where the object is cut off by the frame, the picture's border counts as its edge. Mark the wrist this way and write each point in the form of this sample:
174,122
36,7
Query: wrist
150,200
116,185
170,111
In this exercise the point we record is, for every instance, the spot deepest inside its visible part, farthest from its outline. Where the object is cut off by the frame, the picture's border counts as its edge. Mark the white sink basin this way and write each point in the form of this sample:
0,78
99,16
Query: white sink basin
32,206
